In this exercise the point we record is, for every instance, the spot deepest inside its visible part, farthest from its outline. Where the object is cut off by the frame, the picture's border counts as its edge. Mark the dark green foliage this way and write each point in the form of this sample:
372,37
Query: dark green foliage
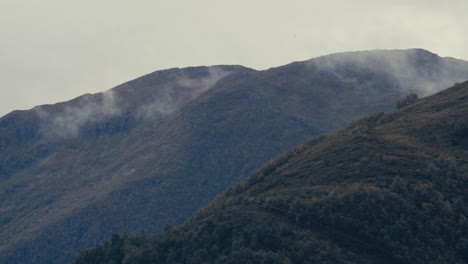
247,243
111,252
460,132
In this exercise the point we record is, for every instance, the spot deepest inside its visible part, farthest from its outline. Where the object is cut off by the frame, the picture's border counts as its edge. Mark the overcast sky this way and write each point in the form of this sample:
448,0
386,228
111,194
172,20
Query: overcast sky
54,50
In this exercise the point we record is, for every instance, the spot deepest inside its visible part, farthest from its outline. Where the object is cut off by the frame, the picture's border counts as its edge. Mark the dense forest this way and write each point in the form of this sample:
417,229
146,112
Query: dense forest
390,188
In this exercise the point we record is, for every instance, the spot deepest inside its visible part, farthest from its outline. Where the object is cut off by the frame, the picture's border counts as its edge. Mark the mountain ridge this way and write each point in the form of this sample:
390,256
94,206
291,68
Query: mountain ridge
387,189
170,141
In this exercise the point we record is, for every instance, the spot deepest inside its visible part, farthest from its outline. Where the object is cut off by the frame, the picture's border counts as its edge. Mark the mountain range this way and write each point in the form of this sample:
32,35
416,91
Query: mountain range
390,188
151,152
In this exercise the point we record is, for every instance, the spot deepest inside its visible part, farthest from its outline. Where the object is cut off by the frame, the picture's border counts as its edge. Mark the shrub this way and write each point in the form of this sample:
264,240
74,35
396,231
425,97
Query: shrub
407,100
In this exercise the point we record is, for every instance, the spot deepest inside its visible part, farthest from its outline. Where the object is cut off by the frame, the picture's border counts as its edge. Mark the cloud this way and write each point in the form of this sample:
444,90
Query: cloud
67,122
177,92
414,70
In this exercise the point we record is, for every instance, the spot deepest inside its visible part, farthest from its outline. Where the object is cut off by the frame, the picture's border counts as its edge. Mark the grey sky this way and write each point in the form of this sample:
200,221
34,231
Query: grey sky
54,50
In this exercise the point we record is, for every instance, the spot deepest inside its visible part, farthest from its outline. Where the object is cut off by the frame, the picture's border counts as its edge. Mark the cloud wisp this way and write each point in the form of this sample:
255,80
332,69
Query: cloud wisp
67,122
414,70
176,93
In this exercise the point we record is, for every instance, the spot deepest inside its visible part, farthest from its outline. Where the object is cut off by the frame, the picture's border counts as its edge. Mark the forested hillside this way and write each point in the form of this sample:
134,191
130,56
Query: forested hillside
390,188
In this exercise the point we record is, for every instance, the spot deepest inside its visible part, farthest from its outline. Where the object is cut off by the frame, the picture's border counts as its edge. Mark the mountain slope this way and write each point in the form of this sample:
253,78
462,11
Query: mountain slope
152,151
388,189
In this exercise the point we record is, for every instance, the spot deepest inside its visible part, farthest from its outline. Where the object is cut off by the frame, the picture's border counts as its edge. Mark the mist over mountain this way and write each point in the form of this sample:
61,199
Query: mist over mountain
390,188
152,151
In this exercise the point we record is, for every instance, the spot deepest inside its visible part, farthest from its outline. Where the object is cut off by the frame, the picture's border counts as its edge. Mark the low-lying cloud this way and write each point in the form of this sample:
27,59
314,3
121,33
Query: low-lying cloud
67,120
174,94
414,70
88,109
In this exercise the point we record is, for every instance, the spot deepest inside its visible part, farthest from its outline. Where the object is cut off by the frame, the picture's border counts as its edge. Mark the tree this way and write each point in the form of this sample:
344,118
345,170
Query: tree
407,100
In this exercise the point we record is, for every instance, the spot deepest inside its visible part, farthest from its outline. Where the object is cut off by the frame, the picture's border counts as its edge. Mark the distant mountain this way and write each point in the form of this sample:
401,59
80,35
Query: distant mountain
391,188
150,152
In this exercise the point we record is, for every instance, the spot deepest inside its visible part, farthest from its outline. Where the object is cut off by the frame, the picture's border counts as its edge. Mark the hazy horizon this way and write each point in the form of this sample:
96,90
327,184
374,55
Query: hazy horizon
54,51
